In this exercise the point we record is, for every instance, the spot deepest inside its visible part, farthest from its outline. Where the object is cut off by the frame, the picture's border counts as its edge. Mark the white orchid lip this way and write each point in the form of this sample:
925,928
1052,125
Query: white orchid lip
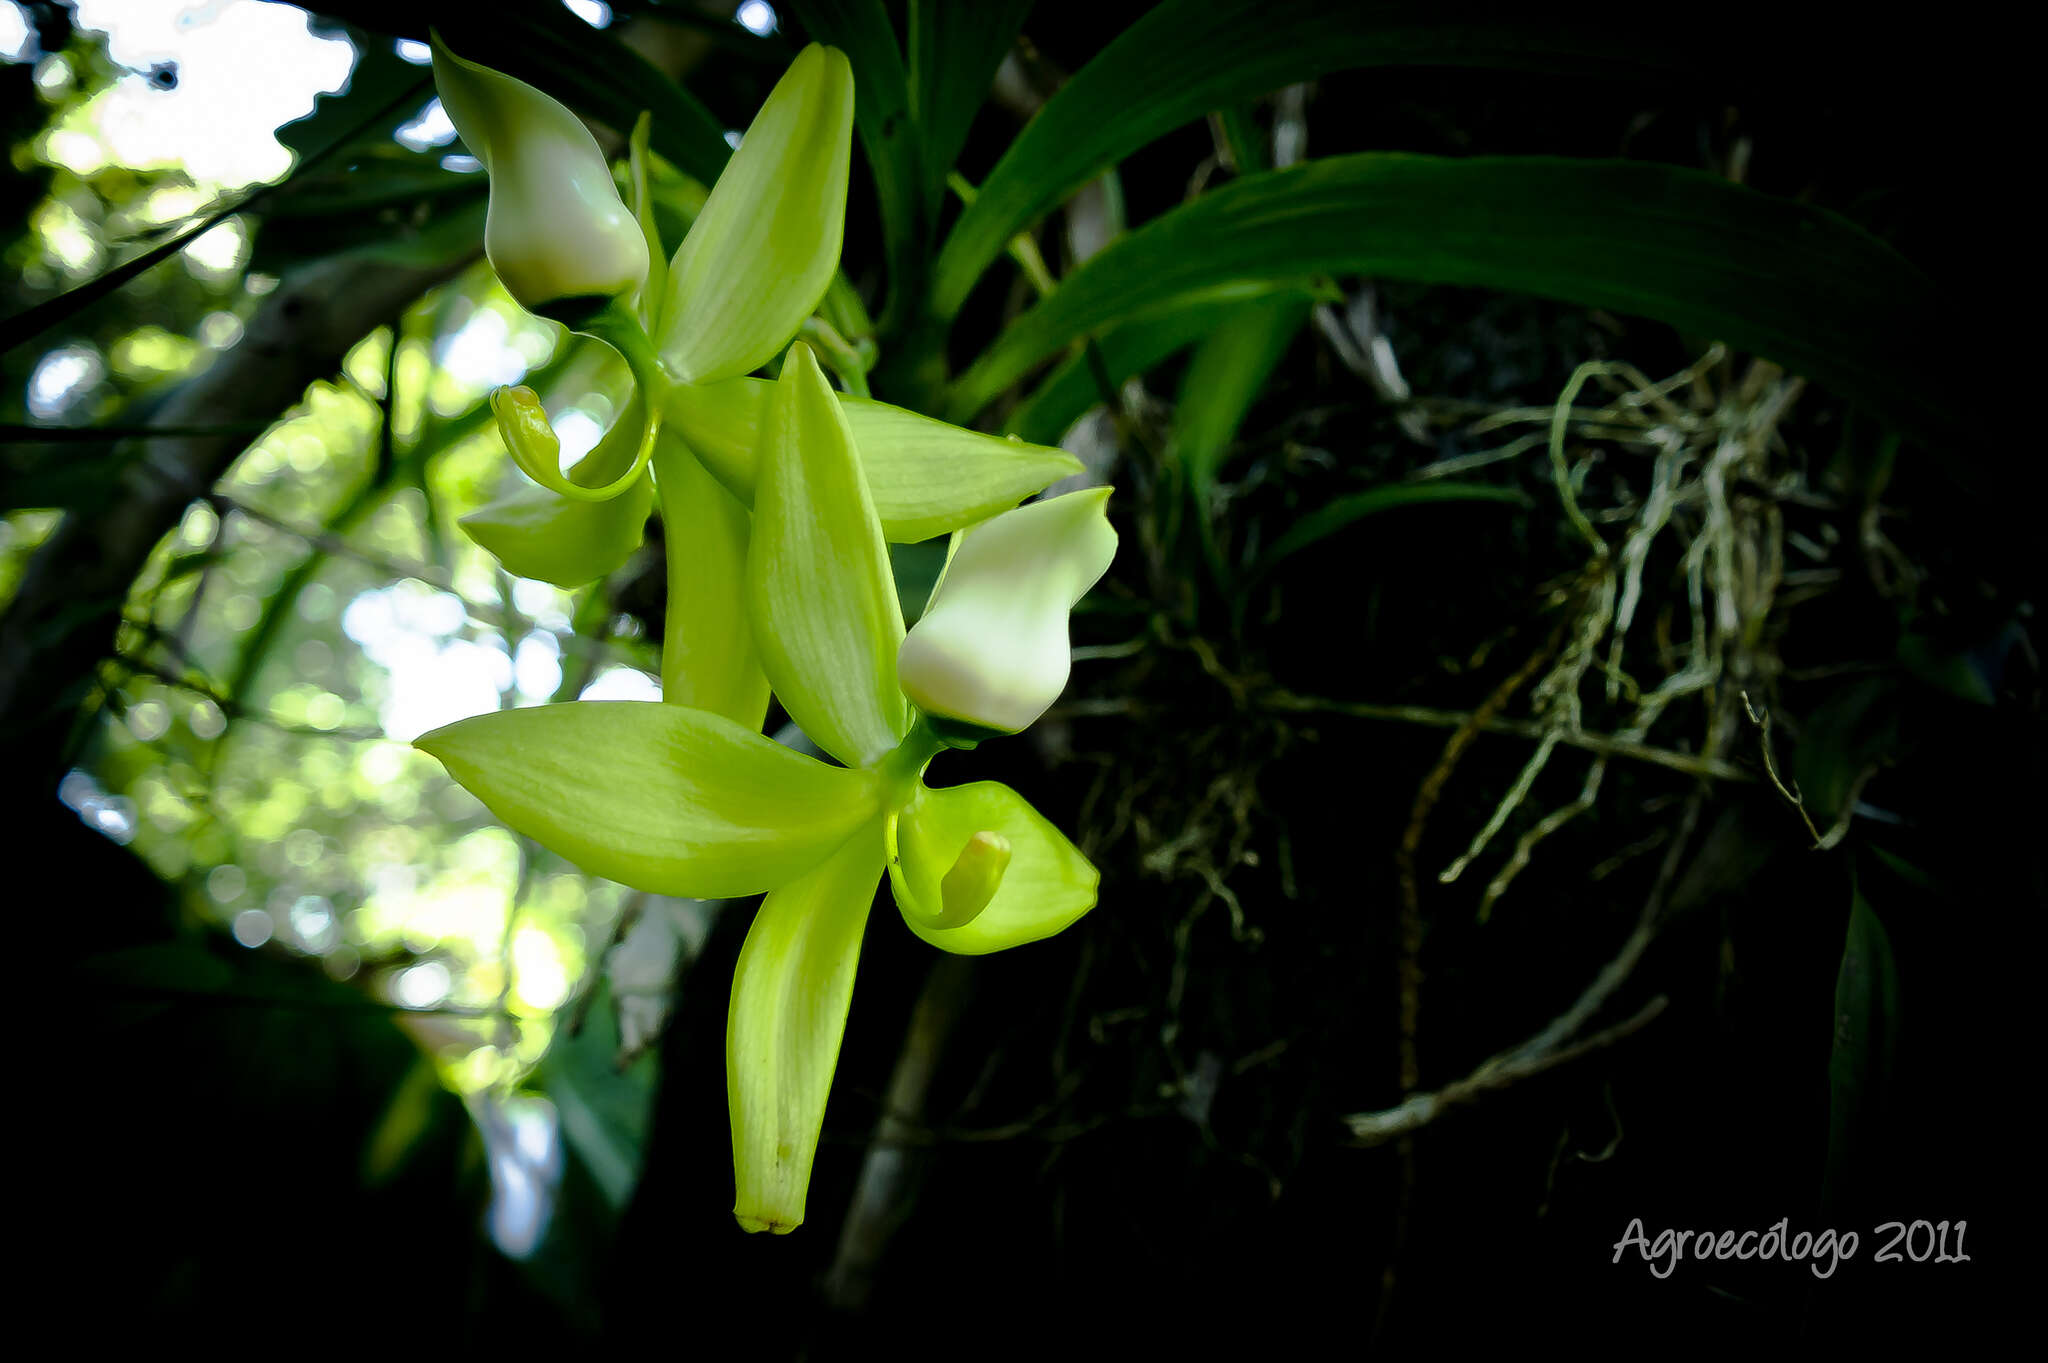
556,227
991,651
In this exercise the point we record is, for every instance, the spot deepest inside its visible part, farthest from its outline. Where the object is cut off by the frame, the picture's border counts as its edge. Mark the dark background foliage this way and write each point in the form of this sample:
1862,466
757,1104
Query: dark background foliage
1137,1127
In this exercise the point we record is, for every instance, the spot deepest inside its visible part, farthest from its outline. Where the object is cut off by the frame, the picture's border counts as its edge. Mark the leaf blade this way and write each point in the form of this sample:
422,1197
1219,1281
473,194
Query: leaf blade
1224,377
1187,57
881,117
1126,350
1343,512
954,52
1793,283
1864,1049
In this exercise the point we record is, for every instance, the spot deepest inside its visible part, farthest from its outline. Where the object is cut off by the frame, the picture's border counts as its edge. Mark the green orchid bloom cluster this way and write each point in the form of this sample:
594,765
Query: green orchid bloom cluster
779,499
753,267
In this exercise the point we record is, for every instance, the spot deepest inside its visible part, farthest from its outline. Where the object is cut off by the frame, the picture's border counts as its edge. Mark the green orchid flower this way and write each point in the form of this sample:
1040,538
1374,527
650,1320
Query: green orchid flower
684,800
555,227
754,265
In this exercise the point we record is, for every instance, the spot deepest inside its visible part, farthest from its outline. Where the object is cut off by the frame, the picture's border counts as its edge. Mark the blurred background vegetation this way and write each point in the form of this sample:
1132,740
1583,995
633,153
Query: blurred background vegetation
1722,684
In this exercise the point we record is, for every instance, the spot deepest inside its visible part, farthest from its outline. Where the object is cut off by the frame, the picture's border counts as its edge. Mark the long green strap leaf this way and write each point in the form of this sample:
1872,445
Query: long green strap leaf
1224,378
1797,285
881,117
1865,1050
954,52
1187,57
1337,515
1126,350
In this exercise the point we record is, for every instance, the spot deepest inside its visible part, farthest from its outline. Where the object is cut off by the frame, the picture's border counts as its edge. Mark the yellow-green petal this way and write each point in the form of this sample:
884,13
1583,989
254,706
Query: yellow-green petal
708,660
819,590
1046,885
926,477
790,994
608,471
534,531
658,797
540,535
758,258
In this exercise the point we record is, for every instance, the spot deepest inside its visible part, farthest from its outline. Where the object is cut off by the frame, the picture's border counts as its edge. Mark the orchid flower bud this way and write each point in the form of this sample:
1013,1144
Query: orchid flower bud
556,228
991,650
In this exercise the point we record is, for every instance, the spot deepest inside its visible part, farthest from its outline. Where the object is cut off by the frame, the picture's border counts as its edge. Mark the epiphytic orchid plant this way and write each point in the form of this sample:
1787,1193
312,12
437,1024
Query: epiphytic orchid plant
785,494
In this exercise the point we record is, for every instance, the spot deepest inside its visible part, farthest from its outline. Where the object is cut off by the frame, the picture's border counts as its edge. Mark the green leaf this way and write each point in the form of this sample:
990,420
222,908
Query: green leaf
654,796
1841,741
708,660
926,477
819,590
758,258
1223,379
1343,512
1187,57
604,1107
414,224
1048,885
881,113
540,535
954,52
1866,1040
1126,350
1945,667
790,994
1781,279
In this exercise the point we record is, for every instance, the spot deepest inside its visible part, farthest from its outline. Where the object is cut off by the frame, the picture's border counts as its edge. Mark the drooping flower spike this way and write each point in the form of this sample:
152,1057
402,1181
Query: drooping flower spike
683,801
785,493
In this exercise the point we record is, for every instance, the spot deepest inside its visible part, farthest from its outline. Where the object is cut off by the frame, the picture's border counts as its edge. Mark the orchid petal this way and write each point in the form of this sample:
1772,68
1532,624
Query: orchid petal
658,797
820,592
790,994
1044,887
